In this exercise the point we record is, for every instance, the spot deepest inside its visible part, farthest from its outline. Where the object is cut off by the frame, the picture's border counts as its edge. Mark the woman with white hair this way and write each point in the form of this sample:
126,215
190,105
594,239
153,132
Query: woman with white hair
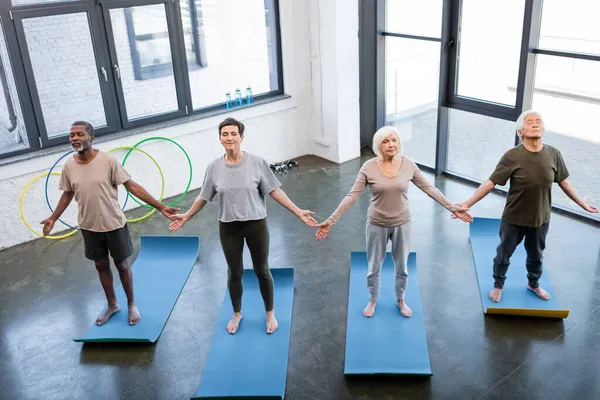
388,217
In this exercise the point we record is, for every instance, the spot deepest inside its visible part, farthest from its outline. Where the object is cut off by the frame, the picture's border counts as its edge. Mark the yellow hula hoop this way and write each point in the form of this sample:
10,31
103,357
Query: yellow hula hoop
162,178
45,174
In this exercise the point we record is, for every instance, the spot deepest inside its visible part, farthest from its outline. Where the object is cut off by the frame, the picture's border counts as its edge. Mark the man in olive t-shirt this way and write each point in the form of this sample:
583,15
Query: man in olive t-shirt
531,167
92,177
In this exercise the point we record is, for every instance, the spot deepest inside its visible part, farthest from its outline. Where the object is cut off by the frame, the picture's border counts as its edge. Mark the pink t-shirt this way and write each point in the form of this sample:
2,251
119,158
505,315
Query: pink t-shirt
389,204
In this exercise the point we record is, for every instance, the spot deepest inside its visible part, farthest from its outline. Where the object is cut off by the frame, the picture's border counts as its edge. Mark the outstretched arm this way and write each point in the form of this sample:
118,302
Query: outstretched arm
138,191
63,203
180,219
359,185
304,215
569,190
483,190
422,183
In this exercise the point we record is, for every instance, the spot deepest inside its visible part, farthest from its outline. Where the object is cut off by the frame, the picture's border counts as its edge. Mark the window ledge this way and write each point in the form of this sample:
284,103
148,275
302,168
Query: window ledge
280,98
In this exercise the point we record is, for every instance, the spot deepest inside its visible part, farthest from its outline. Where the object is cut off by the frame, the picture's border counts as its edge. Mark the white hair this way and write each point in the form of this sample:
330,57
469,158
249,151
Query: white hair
379,137
525,114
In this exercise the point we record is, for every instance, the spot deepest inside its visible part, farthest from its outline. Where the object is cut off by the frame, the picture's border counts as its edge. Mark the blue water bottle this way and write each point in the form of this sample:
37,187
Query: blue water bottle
228,100
249,98
238,97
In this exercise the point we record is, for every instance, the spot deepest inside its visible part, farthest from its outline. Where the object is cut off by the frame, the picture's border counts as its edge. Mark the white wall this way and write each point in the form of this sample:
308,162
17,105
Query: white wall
275,131
335,121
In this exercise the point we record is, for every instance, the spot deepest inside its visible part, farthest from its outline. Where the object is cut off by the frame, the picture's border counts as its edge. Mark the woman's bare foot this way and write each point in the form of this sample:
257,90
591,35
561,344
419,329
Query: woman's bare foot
369,309
541,293
404,309
110,310
134,315
272,323
496,295
234,323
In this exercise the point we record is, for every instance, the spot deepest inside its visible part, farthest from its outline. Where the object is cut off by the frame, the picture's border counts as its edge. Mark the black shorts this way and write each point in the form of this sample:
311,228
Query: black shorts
99,244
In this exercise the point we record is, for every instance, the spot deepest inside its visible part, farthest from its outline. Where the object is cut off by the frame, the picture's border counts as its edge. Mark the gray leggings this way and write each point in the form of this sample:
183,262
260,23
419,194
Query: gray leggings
377,239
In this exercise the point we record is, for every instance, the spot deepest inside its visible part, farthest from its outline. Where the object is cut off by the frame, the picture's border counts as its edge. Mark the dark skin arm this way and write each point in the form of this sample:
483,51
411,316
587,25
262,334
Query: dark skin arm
138,191
63,203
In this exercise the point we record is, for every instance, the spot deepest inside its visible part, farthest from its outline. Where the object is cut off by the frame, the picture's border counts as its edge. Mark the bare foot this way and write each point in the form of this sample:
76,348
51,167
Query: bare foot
369,309
404,309
272,324
234,323
541,293
496,295
134,315
110,310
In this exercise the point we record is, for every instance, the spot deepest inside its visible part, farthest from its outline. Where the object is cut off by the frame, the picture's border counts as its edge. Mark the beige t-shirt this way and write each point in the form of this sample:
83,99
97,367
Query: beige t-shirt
96,191
389,201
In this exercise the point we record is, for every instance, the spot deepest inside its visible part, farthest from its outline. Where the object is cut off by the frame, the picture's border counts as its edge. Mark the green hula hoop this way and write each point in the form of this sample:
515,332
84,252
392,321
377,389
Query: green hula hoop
162,178
177,200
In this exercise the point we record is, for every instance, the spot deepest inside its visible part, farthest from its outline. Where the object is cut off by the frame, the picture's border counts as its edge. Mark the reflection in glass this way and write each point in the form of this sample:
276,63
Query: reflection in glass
489,50
145,64
411,100
222,59
477,142
567,94
64,66
13,135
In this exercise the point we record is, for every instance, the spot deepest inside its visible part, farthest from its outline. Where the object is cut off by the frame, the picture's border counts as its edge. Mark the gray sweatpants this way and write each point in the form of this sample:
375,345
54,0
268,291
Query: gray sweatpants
377,239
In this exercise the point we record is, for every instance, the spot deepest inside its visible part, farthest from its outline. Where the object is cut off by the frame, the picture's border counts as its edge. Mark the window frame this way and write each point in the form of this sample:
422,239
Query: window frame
164,69
98,12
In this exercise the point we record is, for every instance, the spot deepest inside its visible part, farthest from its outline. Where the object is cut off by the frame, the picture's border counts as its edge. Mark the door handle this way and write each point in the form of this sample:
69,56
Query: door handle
117,71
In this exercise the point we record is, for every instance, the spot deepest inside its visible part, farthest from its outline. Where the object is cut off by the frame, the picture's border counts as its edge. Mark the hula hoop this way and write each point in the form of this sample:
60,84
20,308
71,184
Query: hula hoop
23,215
46,189
177,200
162,178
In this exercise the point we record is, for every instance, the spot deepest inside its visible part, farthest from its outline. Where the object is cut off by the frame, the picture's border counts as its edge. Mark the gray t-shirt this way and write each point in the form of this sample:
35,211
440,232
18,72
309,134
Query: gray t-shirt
240,189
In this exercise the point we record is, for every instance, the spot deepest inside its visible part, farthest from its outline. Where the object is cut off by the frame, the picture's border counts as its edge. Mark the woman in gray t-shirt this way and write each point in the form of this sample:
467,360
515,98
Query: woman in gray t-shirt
240,183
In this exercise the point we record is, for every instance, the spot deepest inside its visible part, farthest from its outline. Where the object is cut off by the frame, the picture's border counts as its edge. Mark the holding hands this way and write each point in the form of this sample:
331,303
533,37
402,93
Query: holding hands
460,212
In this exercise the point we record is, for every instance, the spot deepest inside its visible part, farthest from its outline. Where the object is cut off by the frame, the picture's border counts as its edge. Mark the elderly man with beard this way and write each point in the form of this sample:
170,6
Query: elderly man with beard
92,177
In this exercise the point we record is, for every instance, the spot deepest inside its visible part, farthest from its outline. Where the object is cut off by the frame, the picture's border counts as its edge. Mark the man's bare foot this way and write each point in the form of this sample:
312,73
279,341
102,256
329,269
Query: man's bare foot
134,315
272,323
369,309
404,309
496,295
110,310
234,323
541,293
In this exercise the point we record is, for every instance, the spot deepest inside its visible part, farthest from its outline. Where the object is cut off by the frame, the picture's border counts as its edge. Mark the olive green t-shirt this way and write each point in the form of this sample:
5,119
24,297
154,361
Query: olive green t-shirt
531,176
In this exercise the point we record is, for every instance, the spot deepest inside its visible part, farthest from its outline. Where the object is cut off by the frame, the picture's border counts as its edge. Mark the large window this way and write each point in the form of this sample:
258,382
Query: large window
567,91
489,50
121,64
476,143
412,65
459,73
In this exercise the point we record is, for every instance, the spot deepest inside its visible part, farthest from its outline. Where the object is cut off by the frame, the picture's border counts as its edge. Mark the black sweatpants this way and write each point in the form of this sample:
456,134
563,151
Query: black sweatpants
256,233
535,243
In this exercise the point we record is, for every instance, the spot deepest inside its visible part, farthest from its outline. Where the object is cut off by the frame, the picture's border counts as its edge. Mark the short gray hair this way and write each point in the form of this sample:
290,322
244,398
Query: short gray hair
381,134
525,114
89,128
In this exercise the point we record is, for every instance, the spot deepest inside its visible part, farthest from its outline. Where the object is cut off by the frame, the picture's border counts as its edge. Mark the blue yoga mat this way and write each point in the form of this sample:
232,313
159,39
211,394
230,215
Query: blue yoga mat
251,363
516,298
387,343
159,274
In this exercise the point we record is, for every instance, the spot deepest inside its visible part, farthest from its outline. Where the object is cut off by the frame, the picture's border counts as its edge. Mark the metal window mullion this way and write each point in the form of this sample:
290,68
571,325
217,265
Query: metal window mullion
444,86
180,68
